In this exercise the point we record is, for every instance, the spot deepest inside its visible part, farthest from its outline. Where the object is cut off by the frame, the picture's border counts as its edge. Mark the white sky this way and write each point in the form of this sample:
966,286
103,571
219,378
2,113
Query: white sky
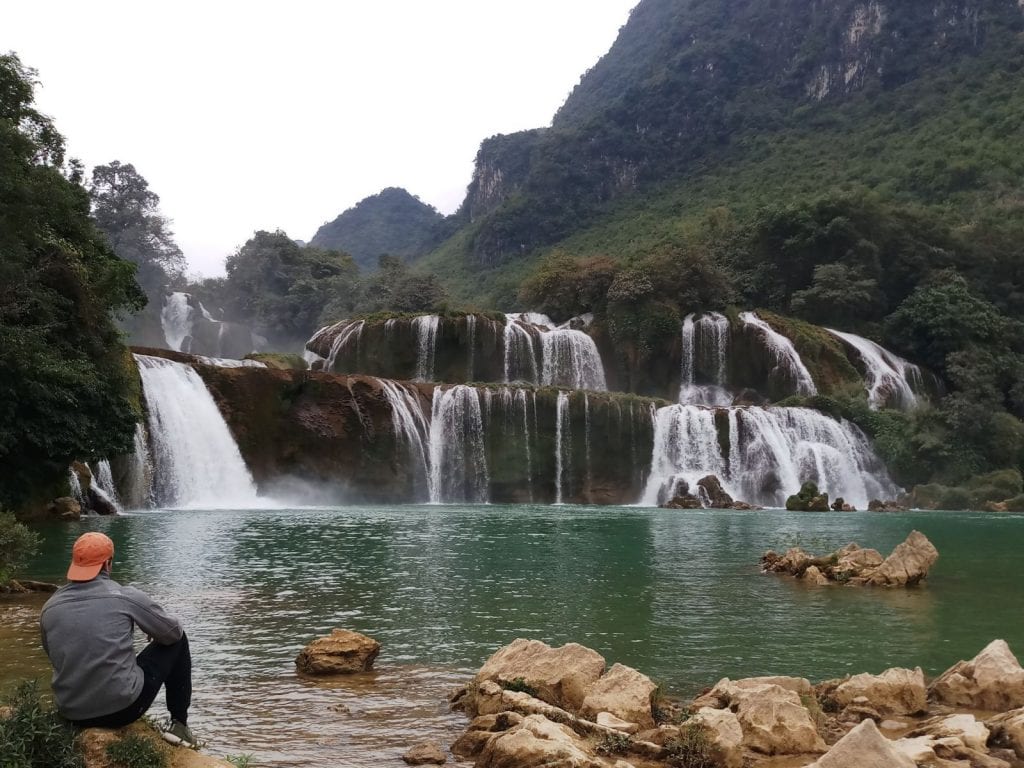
265,115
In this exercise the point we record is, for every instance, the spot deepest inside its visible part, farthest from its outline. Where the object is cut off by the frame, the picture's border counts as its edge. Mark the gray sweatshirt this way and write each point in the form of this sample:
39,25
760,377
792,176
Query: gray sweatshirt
87,631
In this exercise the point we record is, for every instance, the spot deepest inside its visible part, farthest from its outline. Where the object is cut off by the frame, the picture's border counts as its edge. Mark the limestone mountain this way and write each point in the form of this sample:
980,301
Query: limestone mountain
712,102
390,222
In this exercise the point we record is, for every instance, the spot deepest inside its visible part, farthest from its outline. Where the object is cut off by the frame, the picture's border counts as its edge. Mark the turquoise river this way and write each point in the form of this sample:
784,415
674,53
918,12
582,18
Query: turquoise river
677,595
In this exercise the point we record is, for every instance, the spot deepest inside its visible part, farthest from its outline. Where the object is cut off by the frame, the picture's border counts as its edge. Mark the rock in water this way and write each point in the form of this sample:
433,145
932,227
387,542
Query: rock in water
66,508
993,680
340,653
425,753
864,747
716,493
907,565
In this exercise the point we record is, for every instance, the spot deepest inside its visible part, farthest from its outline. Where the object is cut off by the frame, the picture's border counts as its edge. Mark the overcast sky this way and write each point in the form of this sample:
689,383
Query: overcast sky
265,115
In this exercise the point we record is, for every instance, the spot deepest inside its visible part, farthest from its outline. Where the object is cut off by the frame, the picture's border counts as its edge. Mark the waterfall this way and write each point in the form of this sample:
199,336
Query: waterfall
176,320
345,332
103,484
521,403
784,354
520,359
771,452
712,329
196,460
411,430
458,460
225,362
76,486
889,377
426,344
563,442
136,485
570,359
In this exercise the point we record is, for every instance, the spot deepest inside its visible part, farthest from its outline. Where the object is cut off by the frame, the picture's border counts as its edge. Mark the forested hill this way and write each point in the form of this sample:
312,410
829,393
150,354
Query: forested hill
391,222
753,101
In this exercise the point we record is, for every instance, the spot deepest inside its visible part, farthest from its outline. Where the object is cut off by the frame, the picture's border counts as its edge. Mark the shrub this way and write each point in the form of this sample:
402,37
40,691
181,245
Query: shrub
17,545
693,748
35,736
135,751
614,744
520,685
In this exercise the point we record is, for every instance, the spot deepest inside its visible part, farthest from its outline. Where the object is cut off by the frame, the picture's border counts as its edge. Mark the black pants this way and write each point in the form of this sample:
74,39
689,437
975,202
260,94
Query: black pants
166,665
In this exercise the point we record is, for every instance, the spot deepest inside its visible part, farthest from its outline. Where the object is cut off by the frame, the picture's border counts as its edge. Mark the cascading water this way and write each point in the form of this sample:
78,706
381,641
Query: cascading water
458,459
197,462
563,443
586,439
426,344
226,362
103,484
471,342
412,430
890,380
137,483
176,320
520,362
570,359
771,452
346,333
784,354
76,486
712,329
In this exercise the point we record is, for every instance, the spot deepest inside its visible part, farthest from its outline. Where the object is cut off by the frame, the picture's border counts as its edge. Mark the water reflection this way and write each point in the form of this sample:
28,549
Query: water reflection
676,594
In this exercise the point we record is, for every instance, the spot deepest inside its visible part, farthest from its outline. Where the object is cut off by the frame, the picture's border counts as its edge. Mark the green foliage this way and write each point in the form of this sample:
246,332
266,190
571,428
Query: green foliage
17,546
65,392
240,761
390,222
614,744
33,735
395,288
519,684
282,289
563,287
692,749
135,751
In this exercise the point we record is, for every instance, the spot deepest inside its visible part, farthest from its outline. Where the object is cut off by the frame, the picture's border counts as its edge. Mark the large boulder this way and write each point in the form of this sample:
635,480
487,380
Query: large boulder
908,564
774,721
535,743
716,494
894,692
993,681
623,692
560,676
725,734
854,559
425,753
964,727
65,508
864,747
726,691
341,653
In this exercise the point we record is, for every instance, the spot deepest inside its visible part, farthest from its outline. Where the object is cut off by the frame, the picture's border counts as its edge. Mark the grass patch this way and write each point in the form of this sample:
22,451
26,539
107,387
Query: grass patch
33,735
692,749
134,751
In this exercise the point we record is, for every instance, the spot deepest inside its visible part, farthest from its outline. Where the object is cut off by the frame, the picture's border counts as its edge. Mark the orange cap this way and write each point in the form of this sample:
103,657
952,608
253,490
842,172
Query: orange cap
90,552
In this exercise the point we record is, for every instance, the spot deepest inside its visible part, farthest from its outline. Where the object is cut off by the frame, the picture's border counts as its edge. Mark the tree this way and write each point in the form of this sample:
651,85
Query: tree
68,386
396,288
128,213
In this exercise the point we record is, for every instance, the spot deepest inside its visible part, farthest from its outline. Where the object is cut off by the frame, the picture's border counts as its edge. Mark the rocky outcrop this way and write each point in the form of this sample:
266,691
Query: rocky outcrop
864,747
894,692
1007,730
65,508
808,499
993,680
560,676
536,742
709,493
93,743
426,753
908,564
624,693
725,734
341,653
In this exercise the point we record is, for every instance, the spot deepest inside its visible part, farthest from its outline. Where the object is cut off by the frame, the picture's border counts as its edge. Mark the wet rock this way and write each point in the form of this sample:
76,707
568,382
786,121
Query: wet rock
341,653
534,743
908,564
877,505
815,576
808,499
717,496
840,505
425,753
623,692
725,734
560,676
66,508
894,692
683,501
993,680
864,747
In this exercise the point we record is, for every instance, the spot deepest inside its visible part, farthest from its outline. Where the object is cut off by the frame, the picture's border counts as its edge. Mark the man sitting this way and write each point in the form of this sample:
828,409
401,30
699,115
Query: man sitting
87,628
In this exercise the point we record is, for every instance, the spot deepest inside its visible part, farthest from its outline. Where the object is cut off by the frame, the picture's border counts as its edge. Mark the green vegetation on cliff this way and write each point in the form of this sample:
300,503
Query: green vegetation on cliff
65,392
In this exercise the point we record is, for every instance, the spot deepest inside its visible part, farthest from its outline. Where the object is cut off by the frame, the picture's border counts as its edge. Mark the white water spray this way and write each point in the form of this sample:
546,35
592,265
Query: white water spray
458,459
426,345
570,359
784,354
176,320
890,379
563,443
